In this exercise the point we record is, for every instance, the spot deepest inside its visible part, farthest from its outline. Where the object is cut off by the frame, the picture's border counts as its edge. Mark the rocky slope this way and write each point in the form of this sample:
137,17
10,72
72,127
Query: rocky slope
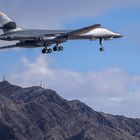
35,113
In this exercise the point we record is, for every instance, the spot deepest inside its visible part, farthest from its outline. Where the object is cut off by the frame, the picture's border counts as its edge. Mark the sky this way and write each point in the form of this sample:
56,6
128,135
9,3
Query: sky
106,81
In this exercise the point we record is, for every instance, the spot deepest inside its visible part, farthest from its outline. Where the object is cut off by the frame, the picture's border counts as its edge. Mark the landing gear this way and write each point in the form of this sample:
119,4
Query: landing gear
57,48
101,44
61,48
54,48
46,50
102,49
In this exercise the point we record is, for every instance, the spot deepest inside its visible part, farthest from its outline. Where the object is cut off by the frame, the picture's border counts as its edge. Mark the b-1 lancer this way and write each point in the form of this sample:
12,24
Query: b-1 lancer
32,38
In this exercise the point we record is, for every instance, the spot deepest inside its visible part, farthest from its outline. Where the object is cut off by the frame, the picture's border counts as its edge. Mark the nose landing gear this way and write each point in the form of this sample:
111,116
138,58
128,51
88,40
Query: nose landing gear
101,44
102,49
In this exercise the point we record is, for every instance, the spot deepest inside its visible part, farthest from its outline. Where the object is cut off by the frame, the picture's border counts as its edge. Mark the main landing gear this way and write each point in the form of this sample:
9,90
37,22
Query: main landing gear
57,48
101,44
49,50
46,50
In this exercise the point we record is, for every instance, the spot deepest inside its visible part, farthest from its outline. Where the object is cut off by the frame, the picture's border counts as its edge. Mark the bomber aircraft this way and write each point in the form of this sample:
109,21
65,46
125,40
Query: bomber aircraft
32,38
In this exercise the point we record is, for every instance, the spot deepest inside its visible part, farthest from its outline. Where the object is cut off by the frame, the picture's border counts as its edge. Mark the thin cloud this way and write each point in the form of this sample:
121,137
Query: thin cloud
111,90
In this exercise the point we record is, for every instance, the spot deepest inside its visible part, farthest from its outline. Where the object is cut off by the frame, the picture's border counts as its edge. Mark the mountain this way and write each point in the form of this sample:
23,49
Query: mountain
35,113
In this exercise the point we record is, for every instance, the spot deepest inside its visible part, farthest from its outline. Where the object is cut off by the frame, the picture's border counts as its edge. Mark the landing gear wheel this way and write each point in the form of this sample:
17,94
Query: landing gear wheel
57,48
61,48
54,48
49,50
44,51
102,49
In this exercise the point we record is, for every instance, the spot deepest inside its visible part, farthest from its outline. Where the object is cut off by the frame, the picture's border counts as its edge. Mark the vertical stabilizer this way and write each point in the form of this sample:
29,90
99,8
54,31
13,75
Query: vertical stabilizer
6,23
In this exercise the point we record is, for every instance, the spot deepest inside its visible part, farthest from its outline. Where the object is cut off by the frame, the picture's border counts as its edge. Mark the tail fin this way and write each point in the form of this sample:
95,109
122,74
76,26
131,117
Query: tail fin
6,23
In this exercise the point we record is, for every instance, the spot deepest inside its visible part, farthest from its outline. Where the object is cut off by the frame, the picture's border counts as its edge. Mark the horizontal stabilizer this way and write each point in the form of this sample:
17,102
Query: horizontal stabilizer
6,23
9,46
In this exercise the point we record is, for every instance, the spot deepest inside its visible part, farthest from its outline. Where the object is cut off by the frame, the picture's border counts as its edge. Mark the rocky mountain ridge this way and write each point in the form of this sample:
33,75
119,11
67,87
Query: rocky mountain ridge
35,113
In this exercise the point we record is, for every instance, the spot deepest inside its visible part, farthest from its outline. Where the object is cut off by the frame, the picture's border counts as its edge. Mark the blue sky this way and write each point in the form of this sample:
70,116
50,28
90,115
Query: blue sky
107,81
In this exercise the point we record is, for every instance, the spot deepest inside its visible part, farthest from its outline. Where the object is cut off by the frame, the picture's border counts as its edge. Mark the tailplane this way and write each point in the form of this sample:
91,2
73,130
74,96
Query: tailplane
6,23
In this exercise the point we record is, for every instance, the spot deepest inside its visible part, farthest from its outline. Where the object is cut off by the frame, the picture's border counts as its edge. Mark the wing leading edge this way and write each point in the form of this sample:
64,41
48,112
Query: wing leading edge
64,37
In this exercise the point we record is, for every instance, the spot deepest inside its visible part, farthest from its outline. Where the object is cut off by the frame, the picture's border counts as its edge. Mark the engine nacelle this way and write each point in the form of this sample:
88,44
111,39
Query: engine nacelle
6,37
27,44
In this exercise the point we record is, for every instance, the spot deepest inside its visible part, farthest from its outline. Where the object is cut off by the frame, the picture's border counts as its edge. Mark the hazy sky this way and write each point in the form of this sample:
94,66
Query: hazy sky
107,81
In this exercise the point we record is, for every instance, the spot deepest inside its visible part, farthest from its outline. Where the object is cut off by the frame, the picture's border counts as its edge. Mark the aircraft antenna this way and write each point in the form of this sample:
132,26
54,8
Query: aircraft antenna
4,78
41,84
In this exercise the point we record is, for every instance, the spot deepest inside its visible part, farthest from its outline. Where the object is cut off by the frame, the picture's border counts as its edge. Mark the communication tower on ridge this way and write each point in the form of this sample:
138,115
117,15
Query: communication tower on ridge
4,78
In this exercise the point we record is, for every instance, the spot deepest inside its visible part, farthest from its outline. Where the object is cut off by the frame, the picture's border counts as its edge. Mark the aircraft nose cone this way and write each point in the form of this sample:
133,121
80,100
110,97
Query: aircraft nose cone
119,35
